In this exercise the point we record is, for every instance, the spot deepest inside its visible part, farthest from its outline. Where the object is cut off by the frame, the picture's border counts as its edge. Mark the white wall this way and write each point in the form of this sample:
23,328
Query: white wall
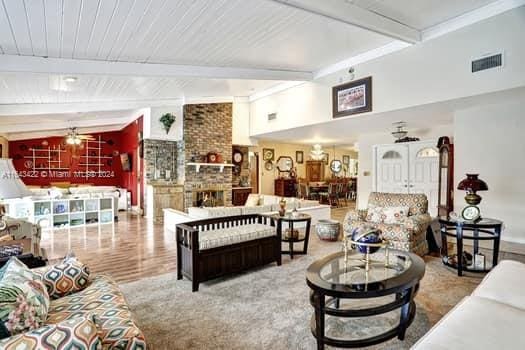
432,71
367,141
153,128
490,141
241,122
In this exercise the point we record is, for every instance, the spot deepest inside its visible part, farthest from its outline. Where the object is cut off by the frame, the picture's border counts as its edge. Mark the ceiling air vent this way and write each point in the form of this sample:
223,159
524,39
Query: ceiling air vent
487,62
272,116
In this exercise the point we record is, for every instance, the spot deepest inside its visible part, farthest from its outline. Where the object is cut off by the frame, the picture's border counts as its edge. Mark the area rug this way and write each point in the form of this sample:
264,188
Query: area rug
268,308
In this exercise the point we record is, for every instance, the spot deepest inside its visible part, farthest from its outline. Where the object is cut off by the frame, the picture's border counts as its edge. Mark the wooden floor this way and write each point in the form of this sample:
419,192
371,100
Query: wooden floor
128,250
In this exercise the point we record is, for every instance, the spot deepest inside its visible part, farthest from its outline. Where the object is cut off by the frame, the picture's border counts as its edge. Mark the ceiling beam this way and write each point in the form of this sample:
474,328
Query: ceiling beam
348,13
75,107
24,126
32,64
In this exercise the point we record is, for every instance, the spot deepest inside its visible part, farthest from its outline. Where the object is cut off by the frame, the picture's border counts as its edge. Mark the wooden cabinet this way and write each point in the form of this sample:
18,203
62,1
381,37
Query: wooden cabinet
285,187
162,197
240,195
315,170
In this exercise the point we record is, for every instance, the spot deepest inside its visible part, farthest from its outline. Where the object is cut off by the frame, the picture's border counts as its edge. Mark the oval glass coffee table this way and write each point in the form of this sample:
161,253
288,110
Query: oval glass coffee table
390,283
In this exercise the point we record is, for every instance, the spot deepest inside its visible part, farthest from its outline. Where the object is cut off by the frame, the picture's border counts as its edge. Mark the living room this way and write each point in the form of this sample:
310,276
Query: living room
305,175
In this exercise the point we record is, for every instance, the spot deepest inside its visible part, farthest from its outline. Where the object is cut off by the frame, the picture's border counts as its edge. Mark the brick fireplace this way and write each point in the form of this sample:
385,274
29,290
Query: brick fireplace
207,128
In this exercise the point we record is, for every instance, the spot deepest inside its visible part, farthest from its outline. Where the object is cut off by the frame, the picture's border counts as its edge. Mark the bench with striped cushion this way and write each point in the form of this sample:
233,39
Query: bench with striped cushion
215,247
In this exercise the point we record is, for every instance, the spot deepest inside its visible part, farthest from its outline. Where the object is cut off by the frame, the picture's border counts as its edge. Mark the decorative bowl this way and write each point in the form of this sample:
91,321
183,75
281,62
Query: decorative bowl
327,230
366,234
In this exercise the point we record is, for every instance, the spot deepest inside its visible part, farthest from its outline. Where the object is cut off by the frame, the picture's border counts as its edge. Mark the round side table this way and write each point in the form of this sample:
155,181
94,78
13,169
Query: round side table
482,230
289,235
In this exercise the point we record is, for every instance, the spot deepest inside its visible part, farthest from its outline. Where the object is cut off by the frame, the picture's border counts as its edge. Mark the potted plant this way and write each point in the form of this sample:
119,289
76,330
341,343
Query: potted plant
167,121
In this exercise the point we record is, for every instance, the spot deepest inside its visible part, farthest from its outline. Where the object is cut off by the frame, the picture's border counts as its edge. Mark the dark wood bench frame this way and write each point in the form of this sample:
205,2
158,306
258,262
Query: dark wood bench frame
203,265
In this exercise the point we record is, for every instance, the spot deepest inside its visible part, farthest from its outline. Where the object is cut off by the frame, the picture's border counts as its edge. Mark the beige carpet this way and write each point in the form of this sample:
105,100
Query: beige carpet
268,308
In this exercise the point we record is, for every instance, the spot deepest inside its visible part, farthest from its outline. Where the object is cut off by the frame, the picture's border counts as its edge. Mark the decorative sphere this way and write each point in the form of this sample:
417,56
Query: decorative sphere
366,234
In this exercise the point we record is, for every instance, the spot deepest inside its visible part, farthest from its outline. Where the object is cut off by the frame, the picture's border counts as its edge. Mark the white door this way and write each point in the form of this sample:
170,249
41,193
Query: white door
392,168
423,172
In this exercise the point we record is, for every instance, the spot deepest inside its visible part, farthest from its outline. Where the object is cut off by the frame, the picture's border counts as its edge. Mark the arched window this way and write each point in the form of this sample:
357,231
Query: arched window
391,155
428,152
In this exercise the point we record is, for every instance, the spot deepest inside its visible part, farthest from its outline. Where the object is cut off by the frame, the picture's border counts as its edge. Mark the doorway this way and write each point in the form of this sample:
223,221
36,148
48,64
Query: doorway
254,171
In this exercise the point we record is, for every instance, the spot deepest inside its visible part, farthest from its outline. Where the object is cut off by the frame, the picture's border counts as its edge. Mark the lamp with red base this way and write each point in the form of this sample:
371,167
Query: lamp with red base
472,184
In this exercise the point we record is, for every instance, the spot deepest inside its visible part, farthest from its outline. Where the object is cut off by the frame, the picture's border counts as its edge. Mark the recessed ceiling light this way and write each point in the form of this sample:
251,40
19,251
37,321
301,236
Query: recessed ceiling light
70,79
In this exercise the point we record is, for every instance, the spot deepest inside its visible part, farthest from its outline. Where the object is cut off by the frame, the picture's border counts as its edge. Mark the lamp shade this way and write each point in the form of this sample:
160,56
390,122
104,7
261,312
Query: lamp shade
472,184
10,184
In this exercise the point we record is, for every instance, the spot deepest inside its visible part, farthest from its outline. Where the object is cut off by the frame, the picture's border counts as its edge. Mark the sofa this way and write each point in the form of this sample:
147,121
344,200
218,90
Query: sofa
100,307
255,204
492,317
407,234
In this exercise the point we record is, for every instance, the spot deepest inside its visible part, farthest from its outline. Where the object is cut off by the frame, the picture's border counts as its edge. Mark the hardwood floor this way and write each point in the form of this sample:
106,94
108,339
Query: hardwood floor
128,250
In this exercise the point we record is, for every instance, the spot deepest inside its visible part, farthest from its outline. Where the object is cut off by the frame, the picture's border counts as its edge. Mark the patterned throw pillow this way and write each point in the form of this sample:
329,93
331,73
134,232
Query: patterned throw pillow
76,333
374,214
394,215
24,299
67,277
11,250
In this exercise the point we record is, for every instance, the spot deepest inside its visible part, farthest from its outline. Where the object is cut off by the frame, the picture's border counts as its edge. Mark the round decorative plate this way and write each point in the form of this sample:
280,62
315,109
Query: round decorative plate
268,165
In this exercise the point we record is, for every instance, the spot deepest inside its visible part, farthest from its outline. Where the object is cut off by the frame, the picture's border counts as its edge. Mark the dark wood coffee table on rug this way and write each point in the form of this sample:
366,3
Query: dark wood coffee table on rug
293,233
337,285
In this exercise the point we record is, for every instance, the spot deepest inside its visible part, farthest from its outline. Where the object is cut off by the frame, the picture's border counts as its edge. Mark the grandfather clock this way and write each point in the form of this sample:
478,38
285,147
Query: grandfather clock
446,176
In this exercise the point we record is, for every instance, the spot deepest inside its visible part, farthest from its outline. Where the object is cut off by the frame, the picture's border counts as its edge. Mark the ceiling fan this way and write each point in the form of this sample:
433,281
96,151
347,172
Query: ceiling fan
74,138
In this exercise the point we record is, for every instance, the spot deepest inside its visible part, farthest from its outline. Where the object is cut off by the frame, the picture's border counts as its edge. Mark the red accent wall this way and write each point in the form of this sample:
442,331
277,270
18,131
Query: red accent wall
129,144
71,167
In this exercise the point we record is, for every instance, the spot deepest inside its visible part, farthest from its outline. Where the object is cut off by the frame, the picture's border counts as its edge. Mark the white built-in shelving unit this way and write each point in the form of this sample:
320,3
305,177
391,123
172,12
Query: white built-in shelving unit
63,212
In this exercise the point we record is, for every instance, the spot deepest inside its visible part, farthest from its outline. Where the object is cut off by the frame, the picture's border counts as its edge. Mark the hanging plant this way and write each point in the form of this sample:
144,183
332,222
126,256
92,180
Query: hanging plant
167,121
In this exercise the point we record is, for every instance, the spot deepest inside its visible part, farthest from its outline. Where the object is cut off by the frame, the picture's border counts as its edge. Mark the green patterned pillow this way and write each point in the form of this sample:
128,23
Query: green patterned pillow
24,301
77,333
67,277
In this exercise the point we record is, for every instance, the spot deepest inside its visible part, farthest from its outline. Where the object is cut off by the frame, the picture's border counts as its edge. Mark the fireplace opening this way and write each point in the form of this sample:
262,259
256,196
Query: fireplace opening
208,198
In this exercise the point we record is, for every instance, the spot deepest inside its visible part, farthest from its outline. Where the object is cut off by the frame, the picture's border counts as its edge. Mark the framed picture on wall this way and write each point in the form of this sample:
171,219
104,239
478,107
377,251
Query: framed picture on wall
352,98
299,157
325,158
268,154
346,159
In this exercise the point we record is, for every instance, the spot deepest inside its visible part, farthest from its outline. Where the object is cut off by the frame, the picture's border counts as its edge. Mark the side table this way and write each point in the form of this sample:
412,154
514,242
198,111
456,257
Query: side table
289,235
482,230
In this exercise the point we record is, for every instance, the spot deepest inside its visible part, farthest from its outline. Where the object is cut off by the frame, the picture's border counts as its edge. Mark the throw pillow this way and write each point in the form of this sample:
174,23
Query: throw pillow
374,214
252,200
66,277
24,299
11,250
76,333
394,215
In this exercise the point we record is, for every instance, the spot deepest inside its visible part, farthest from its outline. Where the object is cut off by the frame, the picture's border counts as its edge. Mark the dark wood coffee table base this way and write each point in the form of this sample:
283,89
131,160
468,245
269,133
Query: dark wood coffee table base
317,323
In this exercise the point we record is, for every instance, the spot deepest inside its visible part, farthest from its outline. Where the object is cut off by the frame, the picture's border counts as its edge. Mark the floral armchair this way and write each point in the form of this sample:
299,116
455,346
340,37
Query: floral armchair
410,233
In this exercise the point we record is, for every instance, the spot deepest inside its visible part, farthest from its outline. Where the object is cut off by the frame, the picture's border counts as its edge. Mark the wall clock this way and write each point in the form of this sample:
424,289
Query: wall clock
336,166
237,157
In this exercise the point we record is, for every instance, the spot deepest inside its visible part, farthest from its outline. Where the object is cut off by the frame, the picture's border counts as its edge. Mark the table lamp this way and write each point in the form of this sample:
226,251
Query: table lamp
472,184
10,186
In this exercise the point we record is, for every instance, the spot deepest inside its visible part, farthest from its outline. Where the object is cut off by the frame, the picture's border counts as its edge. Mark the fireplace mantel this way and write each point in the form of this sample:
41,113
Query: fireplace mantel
221,166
